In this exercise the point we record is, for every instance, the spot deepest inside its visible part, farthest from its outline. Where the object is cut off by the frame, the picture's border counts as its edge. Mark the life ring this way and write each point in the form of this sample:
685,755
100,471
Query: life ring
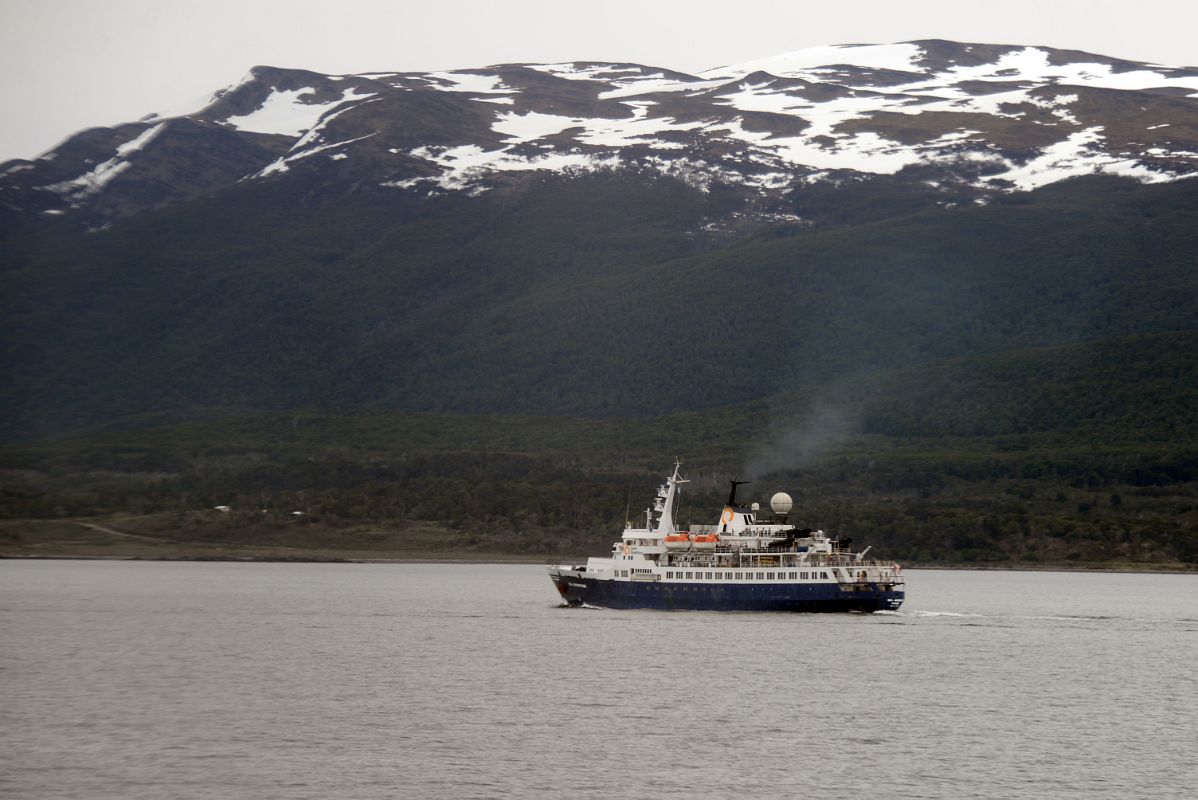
727,516
627,549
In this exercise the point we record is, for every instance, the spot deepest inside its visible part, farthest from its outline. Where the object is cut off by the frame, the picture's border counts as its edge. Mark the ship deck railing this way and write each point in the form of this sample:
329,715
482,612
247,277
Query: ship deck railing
811,559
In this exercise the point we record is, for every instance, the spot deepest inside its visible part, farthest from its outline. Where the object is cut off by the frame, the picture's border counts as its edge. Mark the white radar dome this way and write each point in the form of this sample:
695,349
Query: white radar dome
781,503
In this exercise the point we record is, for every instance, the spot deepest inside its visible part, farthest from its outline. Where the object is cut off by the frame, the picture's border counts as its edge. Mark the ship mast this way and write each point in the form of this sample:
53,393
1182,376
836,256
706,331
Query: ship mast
664,504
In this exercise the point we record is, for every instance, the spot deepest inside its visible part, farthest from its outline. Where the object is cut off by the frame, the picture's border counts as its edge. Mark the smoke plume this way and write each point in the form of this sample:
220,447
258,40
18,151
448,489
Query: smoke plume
795,442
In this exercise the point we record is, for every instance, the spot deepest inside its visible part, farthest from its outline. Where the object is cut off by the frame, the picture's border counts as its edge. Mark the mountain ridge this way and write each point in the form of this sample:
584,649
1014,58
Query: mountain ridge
959,122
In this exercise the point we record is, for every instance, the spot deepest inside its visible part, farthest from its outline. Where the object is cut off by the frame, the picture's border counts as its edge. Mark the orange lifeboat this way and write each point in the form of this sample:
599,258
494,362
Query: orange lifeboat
705,541
677,541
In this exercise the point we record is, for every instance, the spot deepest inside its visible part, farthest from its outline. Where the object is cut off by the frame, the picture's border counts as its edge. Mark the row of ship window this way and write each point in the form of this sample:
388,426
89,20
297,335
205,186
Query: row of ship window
738,575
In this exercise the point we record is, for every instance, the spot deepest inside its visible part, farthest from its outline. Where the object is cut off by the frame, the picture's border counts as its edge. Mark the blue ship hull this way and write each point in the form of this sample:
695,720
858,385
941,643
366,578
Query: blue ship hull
686,596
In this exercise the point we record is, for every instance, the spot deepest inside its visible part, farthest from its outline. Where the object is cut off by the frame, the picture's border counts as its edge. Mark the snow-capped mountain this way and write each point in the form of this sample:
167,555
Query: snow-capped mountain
961,122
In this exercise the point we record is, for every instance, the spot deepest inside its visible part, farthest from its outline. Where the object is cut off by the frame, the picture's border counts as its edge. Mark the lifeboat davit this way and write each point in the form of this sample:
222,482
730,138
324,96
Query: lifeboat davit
705,541
677,541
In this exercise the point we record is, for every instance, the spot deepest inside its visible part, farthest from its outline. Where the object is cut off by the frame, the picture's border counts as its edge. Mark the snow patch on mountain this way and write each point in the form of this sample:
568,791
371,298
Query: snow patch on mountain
280,165
95,179
1076,156
576,71
91,182
863,152
597,131
758,97
637,129
317,131
286,114
654,86
826,116
469,82
193,106
200,103
532,125
622,77
138,142
1055,106
903,57
1033,64
992,104
464,165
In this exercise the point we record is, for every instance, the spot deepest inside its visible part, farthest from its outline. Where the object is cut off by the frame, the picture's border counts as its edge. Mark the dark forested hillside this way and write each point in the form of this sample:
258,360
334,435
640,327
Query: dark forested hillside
595,297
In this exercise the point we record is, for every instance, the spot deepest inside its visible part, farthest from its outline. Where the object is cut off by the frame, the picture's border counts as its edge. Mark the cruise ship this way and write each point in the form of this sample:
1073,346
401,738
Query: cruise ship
747,561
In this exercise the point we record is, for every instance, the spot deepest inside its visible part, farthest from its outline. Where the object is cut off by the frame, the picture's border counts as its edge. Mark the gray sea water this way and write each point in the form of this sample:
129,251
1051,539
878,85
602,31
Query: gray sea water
219,680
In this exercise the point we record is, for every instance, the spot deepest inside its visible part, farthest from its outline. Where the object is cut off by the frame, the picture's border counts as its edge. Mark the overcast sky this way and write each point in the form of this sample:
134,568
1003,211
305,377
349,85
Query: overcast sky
71,64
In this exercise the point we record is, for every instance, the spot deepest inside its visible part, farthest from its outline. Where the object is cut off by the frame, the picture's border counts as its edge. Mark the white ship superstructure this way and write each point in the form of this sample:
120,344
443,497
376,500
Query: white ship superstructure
746,561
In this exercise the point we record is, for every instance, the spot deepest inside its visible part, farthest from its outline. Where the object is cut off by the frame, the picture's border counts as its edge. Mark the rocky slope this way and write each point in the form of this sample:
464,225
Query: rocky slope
954,123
